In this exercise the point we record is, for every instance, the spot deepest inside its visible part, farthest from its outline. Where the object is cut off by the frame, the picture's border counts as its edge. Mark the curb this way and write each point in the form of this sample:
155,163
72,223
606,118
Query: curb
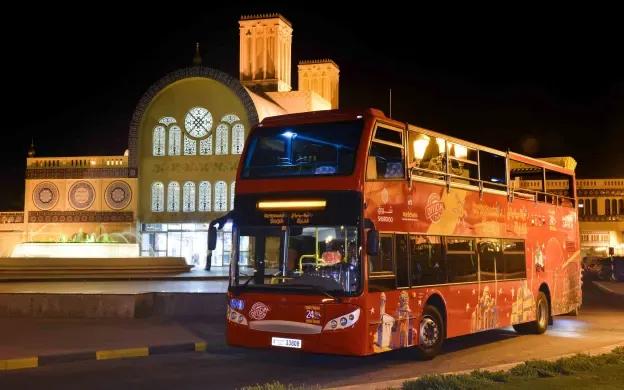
108,354
398,383
607,289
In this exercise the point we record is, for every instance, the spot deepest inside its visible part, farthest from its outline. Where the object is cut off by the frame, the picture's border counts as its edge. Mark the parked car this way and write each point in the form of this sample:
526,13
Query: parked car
597,268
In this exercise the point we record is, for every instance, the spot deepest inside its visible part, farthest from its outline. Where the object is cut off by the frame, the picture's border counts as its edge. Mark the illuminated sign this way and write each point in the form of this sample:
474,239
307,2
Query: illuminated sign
291,204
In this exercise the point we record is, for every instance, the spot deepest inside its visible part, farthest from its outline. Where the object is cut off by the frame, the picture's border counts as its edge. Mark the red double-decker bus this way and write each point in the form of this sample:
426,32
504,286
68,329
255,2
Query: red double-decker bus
354,234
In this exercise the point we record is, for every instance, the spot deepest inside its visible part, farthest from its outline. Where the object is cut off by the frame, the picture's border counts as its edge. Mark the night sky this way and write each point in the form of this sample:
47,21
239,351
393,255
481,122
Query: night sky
536,82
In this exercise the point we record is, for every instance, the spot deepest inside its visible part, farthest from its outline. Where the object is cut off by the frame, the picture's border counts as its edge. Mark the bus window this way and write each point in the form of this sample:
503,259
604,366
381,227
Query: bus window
383,262
426,261
493,170
527,181
461,260
515,261
463,162
386,155
381,267
560,186
427,153
327,149
401,254
491,264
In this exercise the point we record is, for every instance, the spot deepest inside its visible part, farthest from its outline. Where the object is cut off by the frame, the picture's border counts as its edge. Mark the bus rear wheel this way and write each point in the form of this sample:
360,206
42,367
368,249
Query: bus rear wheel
430,333
542,315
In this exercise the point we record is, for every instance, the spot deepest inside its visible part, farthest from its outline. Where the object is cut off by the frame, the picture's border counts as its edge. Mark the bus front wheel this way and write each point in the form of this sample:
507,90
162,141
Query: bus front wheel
430,333
542,314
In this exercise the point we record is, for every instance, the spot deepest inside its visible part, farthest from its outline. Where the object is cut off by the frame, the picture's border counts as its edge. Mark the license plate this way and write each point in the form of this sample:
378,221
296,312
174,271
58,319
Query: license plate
288,343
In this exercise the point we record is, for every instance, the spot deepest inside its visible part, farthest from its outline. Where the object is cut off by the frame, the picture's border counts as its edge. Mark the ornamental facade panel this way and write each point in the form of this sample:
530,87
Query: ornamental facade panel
118,195
45,195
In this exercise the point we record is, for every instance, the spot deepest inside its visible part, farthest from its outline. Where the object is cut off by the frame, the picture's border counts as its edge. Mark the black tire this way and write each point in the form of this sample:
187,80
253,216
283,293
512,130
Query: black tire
431,333
521,328
542,317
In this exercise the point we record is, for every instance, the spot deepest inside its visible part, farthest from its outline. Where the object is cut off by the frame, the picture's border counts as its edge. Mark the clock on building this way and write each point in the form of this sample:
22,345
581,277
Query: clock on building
198,122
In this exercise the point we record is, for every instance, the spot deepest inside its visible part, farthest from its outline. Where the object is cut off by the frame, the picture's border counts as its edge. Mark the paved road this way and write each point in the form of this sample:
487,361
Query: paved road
600,323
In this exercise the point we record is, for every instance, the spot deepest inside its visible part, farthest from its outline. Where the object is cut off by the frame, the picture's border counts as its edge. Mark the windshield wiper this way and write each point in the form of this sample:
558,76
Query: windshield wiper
240,287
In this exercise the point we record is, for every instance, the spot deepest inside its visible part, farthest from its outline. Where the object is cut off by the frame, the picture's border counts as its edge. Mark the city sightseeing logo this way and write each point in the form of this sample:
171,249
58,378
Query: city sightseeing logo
258,311
434,208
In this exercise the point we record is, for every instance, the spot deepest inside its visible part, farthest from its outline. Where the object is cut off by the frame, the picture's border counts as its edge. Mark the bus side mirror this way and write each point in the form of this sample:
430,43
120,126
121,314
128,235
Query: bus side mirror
212,238
372,242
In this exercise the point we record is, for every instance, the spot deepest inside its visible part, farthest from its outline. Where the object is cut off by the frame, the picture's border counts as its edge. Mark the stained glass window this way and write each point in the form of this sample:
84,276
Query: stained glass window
204,196
190,146
158,197
222,139
173,196
220,196
188,195
158,141
198,122
175,134
232,195
230,118
205,146
167,120
238,138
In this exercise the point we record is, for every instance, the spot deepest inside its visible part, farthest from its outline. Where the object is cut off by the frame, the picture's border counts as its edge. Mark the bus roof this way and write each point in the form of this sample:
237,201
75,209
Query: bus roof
351,114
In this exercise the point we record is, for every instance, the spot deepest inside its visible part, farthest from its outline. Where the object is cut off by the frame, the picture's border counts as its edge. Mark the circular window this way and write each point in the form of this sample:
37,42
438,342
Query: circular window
81,195
118,195
45,195
198,122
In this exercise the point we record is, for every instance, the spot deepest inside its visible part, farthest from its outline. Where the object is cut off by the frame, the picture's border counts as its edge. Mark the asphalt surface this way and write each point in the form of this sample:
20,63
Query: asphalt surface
600,323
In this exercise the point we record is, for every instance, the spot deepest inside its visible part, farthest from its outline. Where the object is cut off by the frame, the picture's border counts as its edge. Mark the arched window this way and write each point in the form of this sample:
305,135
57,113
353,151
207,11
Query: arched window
190,146
158,197
175,135
614,207
232,186
158,141
222,139
188,197
594,203
230,118
204,196
238,138
173,196
220,196
167,120
621,206
205,146
607,206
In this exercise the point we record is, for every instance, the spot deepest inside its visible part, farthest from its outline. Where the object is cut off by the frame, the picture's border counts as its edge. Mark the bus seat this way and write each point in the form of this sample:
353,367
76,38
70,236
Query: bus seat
371,169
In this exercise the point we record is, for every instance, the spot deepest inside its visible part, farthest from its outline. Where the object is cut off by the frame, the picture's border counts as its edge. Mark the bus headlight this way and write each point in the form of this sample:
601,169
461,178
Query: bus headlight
236,317
237,304
343,322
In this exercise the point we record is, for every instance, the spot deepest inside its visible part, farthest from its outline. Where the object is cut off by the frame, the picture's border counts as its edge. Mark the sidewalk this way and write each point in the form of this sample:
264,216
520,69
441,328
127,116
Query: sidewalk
616,288
114,287
60,340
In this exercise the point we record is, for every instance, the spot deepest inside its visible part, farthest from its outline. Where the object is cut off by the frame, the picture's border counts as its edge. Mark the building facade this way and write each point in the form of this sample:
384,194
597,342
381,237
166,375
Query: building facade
184,143
601,216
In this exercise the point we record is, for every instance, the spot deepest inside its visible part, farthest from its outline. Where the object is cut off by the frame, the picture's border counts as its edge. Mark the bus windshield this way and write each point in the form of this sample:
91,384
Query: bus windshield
321,258
303,150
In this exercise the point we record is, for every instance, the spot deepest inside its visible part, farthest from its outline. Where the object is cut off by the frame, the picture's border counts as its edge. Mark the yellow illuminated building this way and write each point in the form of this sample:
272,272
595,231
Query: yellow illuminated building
601,215
185,140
